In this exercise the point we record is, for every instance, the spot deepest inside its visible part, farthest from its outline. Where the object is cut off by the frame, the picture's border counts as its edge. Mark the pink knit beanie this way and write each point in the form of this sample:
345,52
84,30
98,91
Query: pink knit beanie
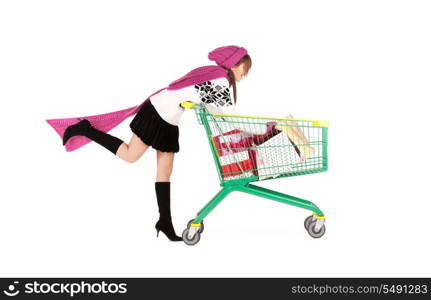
227,56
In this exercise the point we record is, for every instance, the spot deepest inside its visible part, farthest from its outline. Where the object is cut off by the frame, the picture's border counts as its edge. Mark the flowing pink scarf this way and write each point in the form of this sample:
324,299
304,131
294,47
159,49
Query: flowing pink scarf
108,121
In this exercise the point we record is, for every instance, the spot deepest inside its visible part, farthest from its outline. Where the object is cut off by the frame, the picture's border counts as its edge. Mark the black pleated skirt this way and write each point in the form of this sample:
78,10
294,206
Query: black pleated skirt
153,130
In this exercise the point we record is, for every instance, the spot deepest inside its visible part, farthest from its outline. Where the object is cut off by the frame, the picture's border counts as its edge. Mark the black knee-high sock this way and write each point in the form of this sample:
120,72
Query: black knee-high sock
106,140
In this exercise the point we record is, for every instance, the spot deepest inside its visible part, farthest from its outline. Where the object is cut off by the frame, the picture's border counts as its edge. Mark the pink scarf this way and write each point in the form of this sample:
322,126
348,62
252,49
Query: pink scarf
107,121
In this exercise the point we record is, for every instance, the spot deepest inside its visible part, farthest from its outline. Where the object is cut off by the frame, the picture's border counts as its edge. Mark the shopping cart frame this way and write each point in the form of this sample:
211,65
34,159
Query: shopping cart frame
314,224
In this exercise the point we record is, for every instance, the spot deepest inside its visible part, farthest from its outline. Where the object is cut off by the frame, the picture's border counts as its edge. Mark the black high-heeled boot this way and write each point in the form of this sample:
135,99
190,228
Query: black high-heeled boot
79,128
84,128
164,224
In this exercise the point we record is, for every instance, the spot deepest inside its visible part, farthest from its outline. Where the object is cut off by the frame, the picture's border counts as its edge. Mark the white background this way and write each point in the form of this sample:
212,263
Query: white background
363,65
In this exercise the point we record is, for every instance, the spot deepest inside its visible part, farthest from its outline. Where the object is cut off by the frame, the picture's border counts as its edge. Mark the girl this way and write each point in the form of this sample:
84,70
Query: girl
156,121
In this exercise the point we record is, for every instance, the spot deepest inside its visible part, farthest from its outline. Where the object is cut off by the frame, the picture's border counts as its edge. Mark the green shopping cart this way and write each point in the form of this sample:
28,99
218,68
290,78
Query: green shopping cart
249,148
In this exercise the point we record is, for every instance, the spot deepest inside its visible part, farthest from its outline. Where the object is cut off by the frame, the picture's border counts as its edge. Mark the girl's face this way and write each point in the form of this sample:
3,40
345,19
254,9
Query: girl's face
238,71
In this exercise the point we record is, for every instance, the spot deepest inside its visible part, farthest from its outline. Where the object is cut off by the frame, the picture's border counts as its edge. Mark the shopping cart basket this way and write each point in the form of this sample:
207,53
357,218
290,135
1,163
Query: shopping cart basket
247,149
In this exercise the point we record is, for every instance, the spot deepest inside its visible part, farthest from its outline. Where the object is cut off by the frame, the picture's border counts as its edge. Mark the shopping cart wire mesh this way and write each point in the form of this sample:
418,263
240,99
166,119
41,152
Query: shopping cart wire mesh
261,148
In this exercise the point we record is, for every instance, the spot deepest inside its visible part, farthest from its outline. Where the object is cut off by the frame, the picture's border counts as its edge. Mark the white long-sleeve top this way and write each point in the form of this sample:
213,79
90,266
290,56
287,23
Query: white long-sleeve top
215,94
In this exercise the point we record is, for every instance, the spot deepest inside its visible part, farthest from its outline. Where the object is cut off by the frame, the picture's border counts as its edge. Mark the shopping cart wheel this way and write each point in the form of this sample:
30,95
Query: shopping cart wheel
201,229
194,240
313,232
307,221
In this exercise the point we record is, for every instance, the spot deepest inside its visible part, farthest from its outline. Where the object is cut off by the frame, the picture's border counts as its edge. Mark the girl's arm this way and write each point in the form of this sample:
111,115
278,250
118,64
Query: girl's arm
215,94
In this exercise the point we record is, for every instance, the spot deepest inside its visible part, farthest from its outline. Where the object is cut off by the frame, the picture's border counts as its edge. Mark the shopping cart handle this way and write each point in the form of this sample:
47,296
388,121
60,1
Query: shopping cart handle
187,104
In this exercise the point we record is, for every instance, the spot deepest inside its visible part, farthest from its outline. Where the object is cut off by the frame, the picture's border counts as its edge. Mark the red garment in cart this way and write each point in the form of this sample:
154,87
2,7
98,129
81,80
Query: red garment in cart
233,147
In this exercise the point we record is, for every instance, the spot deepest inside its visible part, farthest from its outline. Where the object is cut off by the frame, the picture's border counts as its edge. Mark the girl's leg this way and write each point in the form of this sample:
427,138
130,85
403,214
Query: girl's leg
165,162
132,151
129,152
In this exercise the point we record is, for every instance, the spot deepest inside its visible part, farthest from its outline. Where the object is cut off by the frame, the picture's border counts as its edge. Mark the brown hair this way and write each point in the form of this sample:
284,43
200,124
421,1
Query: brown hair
246,59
